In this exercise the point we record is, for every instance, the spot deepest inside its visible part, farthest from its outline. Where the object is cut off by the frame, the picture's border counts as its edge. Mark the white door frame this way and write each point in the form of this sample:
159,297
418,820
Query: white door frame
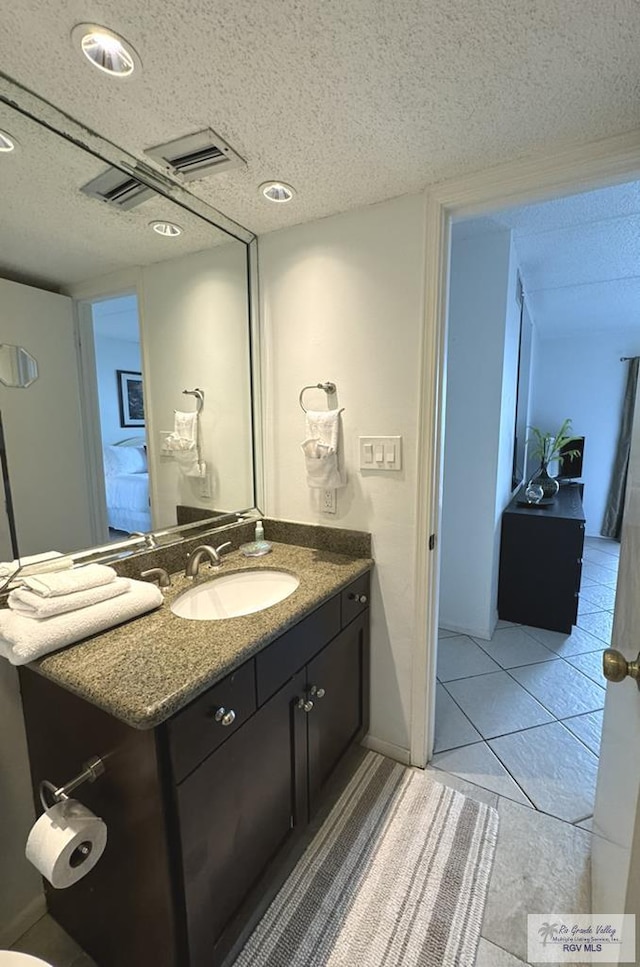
571,170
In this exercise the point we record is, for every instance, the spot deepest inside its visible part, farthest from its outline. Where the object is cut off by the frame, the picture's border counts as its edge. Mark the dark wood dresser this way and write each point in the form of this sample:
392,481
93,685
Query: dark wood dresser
541,561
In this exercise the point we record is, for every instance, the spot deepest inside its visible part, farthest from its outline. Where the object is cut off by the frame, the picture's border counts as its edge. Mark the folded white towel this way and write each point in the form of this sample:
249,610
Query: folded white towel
8,567
66,582
23,640
33,605
321,449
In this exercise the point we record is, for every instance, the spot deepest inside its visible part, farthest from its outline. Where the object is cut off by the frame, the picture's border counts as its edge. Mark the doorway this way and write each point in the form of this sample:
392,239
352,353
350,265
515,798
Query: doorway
526,872
115,425
521,304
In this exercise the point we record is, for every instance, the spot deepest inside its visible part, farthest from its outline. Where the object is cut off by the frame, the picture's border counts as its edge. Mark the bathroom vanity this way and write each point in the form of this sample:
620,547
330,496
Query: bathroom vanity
220,741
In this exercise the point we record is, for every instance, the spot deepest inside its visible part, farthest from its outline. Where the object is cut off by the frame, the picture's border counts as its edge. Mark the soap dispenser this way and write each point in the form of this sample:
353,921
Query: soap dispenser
259,546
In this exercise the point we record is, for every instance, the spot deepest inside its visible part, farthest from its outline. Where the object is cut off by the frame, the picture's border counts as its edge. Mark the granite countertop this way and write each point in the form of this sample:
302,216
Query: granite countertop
146,670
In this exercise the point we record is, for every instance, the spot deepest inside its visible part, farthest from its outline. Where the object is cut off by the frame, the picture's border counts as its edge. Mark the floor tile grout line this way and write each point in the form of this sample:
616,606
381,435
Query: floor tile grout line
509,773
539,701
500,795
469,719
596,755
558,819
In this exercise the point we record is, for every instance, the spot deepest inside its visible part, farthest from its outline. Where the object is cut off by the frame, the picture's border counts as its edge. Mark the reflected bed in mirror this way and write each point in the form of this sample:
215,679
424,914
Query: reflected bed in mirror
121,320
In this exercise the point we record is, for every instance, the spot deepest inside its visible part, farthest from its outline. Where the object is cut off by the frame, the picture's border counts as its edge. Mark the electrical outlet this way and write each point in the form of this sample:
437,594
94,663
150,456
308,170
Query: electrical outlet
328,501
205,486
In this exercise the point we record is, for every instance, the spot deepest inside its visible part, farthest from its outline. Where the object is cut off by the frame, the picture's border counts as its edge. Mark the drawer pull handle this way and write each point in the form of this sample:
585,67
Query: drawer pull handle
225,716
305,704
317,692
358,598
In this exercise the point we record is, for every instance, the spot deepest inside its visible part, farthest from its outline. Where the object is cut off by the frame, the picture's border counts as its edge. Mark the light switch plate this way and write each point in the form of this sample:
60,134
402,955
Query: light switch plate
380,452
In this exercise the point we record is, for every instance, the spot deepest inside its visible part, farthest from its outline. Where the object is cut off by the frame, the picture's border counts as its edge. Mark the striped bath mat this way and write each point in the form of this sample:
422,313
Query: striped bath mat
397,875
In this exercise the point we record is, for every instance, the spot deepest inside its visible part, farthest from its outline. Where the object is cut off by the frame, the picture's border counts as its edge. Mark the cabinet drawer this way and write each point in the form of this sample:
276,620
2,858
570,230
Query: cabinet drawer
194,733
355,598
287,655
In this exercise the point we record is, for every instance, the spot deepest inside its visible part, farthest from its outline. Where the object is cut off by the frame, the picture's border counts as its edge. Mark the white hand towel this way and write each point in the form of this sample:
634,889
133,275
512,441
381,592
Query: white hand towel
23,640
66,582
321,449
33,605
185,432
8,567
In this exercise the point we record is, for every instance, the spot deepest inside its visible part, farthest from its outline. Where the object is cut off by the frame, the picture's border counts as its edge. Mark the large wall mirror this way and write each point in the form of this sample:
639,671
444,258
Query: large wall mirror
121,312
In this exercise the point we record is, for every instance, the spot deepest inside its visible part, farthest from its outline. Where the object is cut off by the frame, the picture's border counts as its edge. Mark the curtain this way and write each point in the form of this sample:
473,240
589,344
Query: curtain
612,524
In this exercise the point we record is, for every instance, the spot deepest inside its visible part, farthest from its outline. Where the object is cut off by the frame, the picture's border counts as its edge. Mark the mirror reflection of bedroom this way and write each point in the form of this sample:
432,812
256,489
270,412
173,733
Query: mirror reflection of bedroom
123,442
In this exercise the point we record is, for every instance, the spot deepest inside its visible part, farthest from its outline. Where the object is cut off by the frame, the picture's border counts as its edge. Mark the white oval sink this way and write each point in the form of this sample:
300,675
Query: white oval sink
232,595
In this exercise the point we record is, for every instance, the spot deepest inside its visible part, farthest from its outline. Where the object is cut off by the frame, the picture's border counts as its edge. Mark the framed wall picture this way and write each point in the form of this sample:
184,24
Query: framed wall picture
130,398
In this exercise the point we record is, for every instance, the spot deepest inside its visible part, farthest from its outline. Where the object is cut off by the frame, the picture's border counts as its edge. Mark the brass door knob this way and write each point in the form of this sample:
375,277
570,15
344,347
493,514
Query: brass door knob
615,666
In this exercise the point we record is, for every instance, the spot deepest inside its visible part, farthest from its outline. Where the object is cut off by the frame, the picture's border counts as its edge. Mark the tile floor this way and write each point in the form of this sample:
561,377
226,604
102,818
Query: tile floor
521,715
541,864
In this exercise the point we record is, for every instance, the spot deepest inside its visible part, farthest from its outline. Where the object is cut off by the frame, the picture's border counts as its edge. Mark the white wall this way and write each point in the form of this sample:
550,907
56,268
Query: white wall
113,354
581,377
43,426
342,300
482,358
193,321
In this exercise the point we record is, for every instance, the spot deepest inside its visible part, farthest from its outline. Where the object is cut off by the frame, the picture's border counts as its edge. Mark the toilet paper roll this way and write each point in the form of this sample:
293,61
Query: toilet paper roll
66,842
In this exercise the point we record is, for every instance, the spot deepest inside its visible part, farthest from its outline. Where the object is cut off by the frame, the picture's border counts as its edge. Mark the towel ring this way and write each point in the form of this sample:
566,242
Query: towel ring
199,395
329,389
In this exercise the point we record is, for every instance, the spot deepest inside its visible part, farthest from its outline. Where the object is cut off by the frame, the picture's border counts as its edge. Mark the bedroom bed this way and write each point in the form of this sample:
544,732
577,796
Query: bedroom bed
127,485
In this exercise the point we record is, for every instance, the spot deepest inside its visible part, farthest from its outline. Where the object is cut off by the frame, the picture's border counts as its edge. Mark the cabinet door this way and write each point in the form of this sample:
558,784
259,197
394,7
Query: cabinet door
337,686
236,811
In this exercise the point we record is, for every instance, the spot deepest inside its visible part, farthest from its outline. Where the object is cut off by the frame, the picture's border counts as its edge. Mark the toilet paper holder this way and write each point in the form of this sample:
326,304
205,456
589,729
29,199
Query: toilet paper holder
92,769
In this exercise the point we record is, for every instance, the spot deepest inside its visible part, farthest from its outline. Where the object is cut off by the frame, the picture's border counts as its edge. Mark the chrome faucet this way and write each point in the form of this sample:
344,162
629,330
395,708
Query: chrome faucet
205,550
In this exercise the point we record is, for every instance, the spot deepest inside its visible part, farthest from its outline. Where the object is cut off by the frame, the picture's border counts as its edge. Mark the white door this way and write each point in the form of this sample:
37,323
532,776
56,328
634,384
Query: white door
616,841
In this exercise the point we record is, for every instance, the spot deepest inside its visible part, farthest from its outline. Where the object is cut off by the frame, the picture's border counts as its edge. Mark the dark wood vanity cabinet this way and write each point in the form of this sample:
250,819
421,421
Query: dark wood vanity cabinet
226,798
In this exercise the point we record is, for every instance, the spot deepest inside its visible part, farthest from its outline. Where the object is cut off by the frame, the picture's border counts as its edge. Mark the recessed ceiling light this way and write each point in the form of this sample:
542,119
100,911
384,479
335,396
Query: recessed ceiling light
277,191
105,50
167,229
7,143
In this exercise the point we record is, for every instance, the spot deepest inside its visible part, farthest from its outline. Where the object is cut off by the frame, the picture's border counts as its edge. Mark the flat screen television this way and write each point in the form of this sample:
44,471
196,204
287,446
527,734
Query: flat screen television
571,467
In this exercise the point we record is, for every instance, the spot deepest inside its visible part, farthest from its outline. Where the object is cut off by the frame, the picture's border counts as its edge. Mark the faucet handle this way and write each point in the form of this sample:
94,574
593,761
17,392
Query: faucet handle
157,574
221,547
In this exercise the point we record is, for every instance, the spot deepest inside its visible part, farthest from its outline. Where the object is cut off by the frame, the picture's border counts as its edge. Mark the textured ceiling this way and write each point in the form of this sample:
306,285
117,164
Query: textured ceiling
350,102
579,258
54,236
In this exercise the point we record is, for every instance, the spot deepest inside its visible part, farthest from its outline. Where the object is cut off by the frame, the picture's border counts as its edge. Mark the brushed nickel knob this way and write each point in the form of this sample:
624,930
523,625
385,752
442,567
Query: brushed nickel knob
317,692
305,704
225,716
320,693
358,598
616,668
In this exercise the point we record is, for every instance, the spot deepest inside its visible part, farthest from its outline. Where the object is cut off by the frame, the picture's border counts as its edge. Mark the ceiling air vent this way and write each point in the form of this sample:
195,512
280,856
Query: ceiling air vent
196,155
119,189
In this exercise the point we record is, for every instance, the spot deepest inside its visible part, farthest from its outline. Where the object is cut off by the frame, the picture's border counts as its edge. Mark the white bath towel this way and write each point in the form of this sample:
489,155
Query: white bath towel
321,449
9,567
33,605
23,640
66,582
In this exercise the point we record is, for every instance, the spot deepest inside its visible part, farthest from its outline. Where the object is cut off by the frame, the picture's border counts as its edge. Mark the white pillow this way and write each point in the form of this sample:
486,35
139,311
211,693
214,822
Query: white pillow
124,460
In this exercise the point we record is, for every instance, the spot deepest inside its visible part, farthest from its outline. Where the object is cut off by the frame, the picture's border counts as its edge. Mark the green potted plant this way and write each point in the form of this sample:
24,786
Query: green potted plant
547,447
